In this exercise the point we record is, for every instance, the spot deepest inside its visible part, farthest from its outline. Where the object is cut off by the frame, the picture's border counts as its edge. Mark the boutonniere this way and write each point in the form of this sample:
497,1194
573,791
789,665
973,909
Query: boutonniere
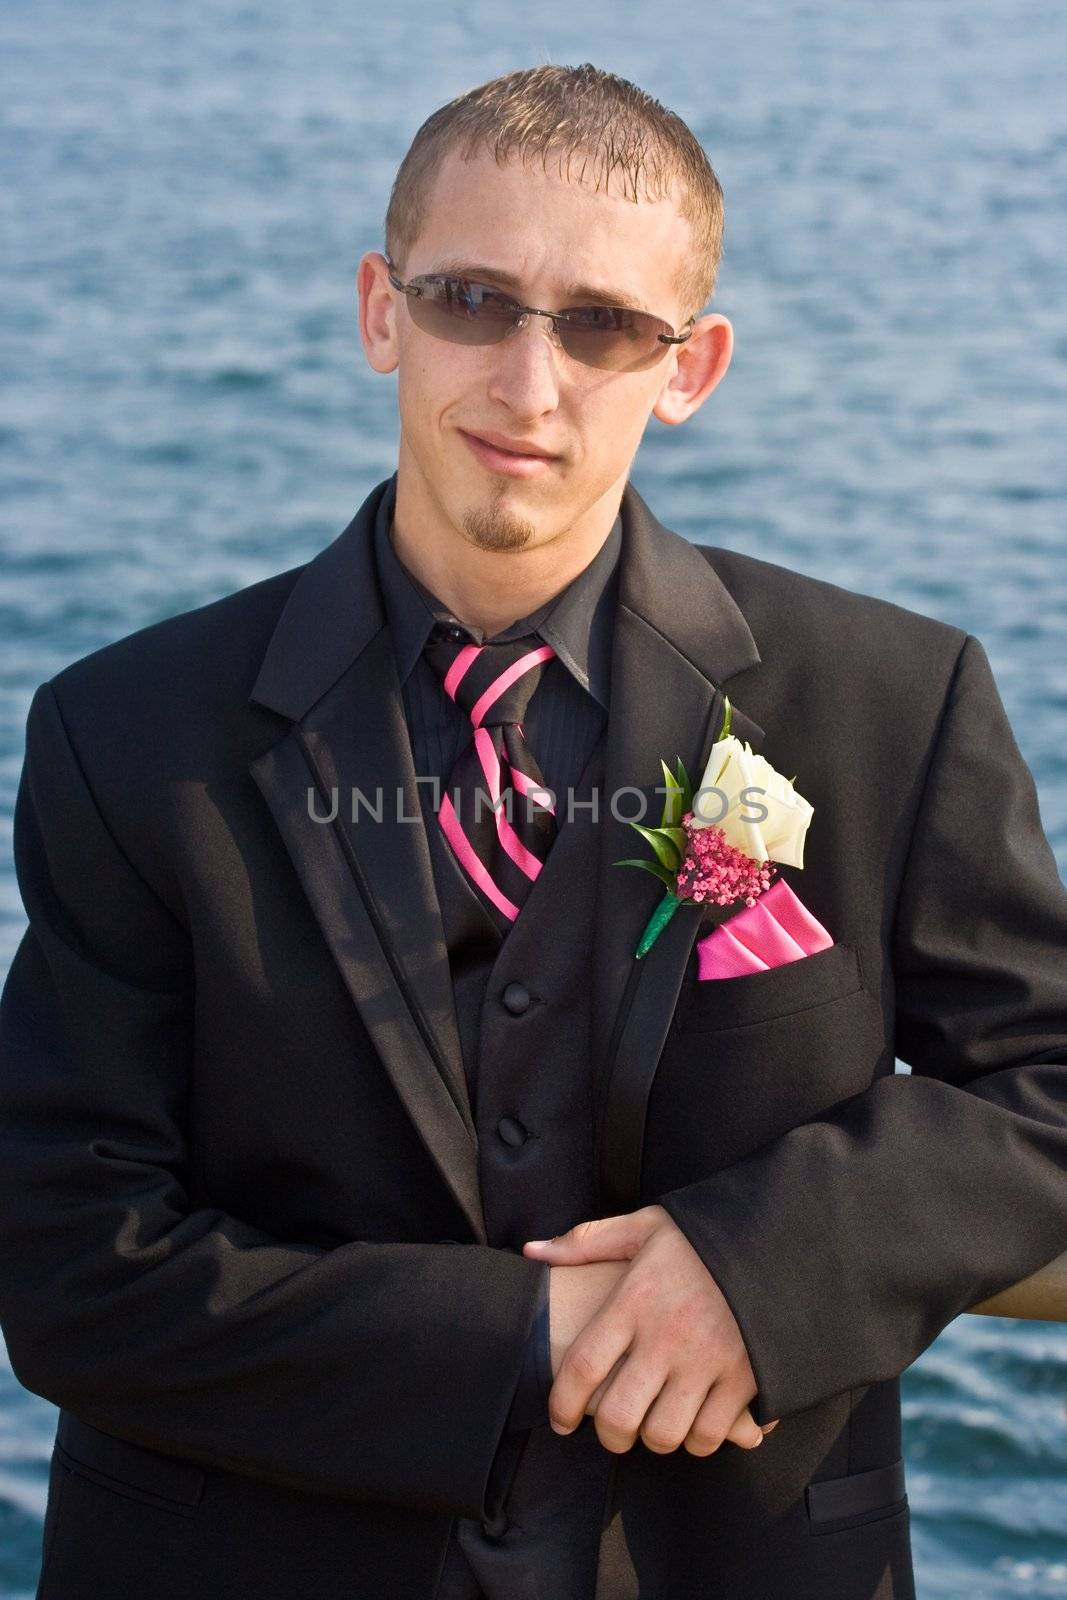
722,842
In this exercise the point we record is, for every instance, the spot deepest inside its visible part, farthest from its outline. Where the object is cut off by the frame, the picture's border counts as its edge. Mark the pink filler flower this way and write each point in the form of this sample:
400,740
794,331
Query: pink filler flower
713,869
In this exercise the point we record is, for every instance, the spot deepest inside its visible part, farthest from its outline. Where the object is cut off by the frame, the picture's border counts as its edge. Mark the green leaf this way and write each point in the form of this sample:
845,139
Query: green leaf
668,850
665,877
673,807
685,785
727,718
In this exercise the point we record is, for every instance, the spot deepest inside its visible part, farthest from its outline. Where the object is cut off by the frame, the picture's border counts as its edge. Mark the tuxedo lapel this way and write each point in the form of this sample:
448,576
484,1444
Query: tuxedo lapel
330,669
679,636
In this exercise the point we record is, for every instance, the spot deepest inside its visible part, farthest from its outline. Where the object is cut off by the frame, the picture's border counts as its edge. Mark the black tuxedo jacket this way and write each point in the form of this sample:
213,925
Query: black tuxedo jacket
234,1131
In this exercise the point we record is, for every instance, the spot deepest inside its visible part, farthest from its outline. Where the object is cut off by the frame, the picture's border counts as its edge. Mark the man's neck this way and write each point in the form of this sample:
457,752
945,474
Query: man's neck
491,589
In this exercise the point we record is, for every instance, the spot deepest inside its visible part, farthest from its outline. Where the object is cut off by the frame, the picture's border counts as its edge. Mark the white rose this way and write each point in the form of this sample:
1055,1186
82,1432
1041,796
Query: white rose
737,787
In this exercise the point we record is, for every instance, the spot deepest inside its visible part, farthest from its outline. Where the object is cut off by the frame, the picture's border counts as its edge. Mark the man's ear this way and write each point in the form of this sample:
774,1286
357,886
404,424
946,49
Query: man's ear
377,312
701,362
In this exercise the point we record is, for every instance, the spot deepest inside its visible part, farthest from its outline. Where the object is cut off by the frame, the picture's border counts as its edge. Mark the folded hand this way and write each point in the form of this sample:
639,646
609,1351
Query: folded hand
663,1356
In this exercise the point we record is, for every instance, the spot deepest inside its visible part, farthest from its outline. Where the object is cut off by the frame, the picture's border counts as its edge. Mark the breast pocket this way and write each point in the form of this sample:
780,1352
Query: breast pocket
829,974
748,1058
128,1469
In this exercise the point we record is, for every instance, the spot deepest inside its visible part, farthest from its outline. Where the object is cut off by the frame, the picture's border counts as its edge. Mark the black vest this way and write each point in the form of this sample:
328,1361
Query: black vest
522,1008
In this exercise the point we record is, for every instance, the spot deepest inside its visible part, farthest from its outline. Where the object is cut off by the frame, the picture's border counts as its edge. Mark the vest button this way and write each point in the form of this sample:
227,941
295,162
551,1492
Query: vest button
516,998
511,1131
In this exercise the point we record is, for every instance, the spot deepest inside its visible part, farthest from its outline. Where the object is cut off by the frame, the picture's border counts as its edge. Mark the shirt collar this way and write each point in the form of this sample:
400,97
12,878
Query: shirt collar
577,622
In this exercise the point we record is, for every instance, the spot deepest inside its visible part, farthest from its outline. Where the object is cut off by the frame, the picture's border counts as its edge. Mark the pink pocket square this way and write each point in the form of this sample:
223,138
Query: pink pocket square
777,929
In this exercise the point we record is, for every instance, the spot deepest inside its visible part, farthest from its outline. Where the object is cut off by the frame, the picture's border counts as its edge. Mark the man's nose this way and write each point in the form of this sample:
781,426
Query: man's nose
536,320
526,375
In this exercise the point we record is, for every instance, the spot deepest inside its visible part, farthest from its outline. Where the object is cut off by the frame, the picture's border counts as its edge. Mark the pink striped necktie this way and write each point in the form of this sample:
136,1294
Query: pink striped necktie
499,838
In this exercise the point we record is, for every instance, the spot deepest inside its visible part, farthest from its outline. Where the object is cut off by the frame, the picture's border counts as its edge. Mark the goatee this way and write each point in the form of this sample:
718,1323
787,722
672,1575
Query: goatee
494,528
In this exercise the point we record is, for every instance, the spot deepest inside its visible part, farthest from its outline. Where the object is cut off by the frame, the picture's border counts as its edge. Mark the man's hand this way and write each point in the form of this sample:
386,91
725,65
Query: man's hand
575,1295
663,1355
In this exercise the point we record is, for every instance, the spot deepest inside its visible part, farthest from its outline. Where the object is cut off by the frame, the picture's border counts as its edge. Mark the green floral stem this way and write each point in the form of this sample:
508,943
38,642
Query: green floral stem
657,922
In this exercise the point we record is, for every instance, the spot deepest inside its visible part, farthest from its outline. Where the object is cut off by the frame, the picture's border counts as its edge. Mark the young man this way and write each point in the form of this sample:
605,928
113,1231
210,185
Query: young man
302,1051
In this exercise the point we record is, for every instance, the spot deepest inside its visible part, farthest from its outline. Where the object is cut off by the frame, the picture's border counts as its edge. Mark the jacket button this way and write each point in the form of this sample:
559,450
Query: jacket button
511,1131
516,998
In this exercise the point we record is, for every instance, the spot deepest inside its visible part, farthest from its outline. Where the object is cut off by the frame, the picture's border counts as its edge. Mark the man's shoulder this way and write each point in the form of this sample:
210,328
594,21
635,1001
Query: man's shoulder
207,649
176,690
793,613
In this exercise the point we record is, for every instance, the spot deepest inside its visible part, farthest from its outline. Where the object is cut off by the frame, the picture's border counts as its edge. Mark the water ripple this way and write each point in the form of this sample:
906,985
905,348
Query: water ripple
186,409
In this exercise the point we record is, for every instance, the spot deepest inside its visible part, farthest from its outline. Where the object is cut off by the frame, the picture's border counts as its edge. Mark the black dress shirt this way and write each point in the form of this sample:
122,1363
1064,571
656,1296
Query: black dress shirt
566,715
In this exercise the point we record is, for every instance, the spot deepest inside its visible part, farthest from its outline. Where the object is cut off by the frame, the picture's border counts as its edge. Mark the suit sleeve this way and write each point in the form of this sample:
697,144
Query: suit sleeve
529,1408
372,1371
846,1245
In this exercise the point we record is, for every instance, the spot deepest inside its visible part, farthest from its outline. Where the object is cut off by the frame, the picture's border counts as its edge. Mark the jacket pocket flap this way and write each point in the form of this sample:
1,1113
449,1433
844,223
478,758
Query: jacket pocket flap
104,1457
876,1490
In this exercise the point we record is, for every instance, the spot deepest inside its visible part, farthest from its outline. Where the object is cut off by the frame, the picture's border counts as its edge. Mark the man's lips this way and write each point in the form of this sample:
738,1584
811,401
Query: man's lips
498,458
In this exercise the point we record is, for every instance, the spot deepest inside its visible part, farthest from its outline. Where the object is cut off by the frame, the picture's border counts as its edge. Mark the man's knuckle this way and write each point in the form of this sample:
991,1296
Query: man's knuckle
698,1445
584,1365
630,1391
660,1440
615,1416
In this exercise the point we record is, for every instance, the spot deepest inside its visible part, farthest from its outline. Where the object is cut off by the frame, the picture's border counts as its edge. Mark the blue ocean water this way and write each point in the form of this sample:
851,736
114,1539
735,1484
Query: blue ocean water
186,408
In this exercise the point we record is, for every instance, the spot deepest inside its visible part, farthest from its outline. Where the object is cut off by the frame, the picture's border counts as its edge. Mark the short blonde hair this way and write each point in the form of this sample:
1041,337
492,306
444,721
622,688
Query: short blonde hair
573,113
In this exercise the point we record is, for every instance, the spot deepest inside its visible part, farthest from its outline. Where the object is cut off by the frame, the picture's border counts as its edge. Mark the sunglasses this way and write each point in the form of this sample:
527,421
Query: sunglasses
613,338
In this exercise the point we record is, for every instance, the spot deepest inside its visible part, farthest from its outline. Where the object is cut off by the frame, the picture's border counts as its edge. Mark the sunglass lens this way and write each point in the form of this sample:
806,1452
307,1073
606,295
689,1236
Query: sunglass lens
462,312
614,339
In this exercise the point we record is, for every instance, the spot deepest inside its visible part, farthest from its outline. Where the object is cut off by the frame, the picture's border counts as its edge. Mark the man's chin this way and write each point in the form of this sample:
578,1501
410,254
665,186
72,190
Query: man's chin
499,520
498,527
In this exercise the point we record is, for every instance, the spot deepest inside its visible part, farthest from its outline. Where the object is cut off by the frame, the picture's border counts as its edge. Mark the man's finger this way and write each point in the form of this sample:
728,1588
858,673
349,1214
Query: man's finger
590,1360
745,1431
603,1239
718,1421
667,1422
602,1388
622,1413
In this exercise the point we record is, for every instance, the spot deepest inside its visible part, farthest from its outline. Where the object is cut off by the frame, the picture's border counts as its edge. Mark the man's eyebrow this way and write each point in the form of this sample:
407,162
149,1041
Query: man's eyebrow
576,294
